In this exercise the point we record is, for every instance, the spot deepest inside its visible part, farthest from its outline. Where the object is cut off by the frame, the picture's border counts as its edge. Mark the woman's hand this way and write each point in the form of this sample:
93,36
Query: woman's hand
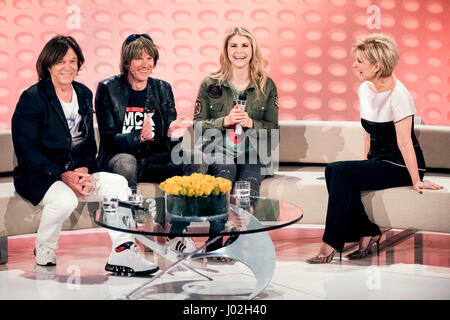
238,116
419,185
247,122
178,127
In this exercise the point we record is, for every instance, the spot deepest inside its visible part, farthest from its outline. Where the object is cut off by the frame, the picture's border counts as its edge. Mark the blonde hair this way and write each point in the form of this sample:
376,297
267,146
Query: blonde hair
258,76
133,50
381,49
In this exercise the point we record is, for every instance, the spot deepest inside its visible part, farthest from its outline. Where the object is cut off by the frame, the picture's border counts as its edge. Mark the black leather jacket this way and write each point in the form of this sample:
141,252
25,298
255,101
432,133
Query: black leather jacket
42,140
111,100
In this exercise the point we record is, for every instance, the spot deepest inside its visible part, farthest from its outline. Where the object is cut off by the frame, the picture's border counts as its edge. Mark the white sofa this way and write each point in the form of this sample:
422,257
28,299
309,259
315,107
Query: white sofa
305,149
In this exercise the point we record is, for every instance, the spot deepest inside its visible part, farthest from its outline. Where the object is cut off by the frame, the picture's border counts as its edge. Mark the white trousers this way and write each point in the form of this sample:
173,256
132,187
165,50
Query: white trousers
60,201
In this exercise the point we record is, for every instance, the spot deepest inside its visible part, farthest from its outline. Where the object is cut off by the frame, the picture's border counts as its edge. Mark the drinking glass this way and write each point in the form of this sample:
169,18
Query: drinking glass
242,189
242,194
110,204
135,196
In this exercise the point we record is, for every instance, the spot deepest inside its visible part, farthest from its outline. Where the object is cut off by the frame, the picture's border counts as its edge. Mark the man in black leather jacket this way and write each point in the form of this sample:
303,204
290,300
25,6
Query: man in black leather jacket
137,118
138,122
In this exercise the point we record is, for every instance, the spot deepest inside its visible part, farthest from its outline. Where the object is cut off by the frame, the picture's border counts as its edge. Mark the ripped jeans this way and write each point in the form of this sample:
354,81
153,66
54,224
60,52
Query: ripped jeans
234,169
155,168
237,169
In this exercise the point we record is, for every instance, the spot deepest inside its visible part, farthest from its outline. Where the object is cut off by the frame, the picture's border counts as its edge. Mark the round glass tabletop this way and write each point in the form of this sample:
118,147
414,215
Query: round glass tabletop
256,214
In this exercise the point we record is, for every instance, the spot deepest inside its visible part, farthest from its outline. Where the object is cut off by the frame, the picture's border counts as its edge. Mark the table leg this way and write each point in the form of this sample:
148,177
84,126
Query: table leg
255,250
182,257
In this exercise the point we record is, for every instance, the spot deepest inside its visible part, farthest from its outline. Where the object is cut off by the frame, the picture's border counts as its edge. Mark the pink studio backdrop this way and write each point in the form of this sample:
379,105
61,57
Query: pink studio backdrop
307,44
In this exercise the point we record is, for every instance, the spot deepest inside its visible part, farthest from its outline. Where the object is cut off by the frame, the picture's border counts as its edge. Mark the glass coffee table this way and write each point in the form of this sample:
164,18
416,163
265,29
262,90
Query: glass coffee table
249,220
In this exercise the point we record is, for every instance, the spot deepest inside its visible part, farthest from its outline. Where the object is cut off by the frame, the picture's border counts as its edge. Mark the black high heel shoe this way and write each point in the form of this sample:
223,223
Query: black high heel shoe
324,259
359,254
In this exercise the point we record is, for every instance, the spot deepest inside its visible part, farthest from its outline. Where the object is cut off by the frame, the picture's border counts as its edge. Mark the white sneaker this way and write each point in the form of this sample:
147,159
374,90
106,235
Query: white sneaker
181,244
126,260
45,256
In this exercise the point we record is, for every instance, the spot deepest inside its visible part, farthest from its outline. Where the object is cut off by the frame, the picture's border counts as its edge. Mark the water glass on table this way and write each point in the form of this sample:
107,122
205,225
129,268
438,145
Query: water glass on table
242,196
110,204
242,189
135,196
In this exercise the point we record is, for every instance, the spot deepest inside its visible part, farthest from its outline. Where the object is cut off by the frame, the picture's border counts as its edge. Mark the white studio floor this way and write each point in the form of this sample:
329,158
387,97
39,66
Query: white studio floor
415,267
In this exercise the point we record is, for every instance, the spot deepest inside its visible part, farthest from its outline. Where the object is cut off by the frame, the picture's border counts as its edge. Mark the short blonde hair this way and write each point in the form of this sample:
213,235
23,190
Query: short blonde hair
378,48
258,76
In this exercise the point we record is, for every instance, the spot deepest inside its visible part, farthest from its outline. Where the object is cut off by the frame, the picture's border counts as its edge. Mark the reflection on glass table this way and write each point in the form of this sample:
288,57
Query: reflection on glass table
250,218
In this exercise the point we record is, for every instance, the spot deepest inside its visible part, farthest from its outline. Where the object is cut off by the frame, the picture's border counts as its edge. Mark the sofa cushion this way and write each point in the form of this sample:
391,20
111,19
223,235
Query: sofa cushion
305,141
7,157
18,216
322,142
395,207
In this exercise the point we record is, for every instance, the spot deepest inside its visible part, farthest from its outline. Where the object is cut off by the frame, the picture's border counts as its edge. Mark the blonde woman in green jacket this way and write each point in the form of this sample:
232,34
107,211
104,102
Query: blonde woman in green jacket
237,141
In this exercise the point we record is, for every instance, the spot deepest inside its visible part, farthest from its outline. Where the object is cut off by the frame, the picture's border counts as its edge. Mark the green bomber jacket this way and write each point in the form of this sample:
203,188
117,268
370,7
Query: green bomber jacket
214,102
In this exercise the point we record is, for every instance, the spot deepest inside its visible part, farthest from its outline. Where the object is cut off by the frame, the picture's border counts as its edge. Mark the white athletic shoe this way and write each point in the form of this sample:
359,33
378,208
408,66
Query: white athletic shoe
126,260
45,256
181,244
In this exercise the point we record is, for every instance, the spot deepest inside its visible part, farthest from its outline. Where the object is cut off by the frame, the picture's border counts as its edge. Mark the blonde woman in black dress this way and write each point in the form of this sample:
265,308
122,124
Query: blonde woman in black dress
393,155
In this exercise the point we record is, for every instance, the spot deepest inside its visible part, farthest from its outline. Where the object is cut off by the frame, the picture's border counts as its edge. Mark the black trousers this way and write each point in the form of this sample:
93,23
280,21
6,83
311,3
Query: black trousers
346,219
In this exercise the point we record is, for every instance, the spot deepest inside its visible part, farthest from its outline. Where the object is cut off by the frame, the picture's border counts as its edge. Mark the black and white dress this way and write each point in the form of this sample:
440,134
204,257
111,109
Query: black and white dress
385,168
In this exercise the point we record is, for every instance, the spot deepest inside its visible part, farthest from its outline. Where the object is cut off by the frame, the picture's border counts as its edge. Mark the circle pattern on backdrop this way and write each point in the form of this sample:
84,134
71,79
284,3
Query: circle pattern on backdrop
307,45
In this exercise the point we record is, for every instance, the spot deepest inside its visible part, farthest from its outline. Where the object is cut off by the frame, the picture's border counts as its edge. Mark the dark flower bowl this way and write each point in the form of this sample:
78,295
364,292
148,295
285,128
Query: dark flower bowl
197,208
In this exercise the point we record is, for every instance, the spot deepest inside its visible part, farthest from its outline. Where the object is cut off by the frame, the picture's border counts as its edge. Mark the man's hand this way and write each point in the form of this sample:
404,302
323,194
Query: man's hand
88,182
178,127
82,169
147,129
79,181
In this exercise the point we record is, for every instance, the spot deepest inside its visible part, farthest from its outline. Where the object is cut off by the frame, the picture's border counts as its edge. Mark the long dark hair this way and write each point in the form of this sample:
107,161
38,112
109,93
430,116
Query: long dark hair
54,51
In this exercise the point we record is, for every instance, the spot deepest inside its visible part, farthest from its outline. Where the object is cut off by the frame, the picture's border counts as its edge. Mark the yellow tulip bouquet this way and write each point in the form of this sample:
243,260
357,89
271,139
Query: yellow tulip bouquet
197,195
195,185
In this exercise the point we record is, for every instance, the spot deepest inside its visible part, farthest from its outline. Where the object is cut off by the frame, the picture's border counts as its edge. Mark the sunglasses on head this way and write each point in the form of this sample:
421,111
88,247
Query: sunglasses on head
134,36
